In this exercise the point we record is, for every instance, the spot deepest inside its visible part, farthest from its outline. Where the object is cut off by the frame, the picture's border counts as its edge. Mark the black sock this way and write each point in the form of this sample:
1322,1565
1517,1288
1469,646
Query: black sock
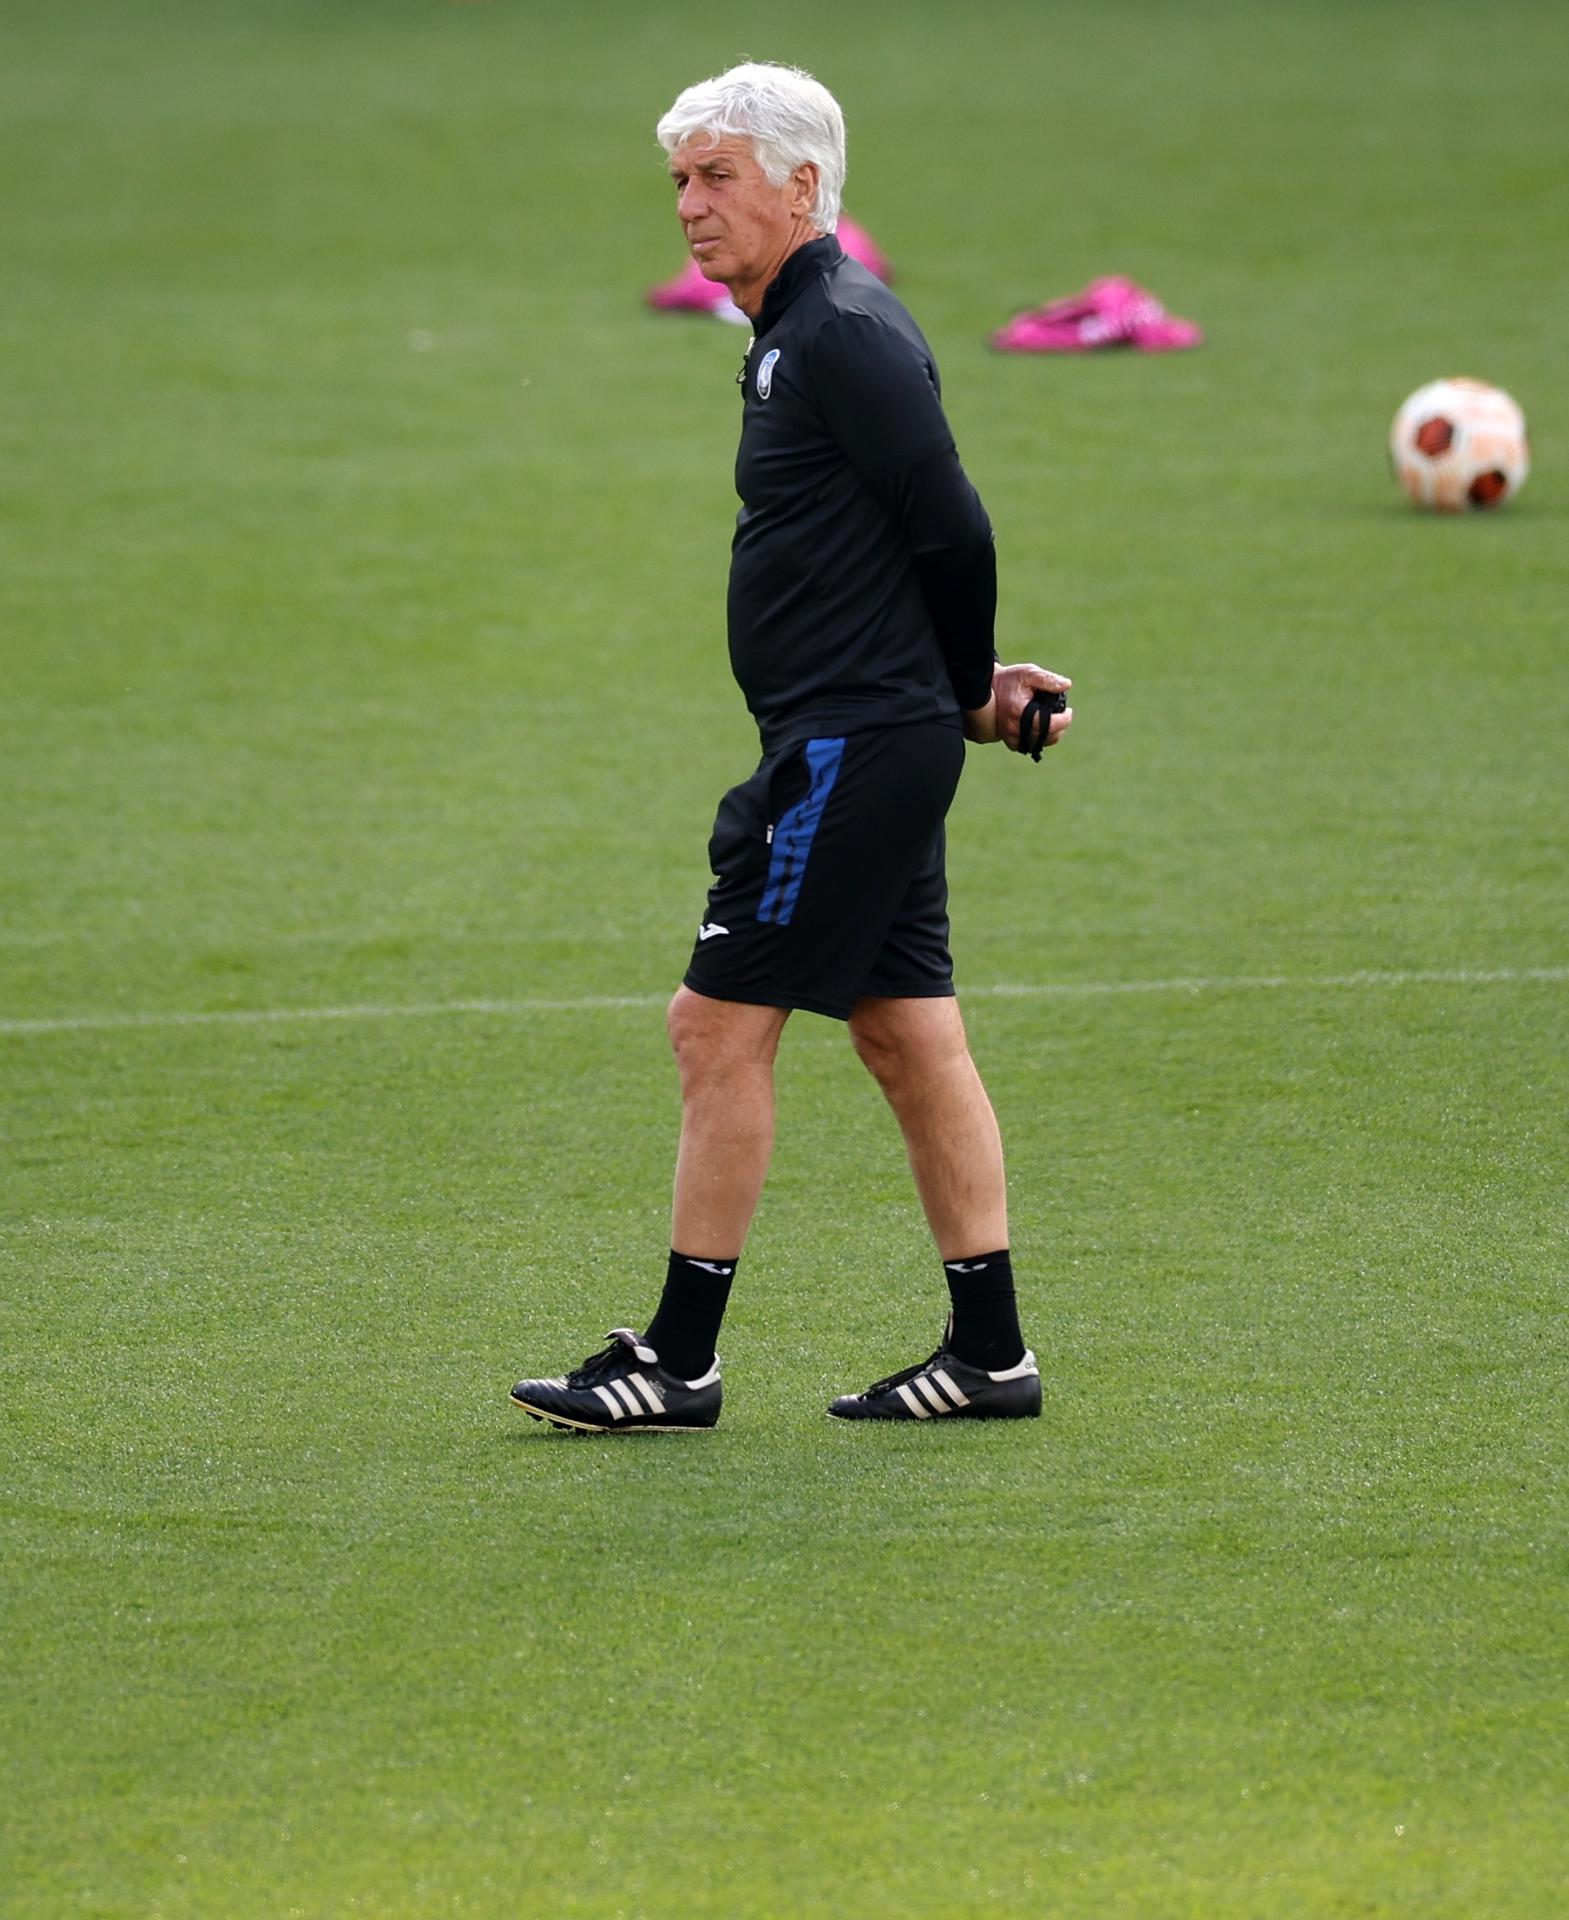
984,1331
691,1308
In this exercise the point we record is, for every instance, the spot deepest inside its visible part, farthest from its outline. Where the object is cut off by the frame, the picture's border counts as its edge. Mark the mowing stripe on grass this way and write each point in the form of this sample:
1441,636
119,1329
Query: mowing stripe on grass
636,1002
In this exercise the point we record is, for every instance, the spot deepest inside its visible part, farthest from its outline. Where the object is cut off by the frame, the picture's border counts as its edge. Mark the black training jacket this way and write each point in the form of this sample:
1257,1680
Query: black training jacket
863,579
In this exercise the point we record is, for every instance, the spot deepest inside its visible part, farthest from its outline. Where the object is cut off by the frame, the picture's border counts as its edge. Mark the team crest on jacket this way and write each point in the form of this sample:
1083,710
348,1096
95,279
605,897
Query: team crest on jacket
765,373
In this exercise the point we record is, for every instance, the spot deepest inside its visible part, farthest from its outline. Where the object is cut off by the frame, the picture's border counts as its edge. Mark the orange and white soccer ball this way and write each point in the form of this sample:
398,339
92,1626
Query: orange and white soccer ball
1458,444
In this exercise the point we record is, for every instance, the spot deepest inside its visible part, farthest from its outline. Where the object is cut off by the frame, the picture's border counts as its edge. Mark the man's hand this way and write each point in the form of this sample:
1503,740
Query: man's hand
1012,690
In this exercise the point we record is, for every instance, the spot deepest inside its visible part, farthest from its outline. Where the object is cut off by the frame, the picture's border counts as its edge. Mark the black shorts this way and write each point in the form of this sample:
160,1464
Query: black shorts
828,874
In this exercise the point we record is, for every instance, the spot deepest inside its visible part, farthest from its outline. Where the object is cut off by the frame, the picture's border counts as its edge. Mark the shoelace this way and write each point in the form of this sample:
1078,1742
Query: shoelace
598,1365
907,1373
1035,722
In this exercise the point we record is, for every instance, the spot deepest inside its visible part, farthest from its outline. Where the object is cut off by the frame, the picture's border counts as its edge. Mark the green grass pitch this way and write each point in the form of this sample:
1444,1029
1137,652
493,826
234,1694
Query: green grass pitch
364,709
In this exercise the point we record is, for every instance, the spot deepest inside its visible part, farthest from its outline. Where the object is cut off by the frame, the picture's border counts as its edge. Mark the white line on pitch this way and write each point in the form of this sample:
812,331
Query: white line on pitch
269,1016
1260,982
636,1002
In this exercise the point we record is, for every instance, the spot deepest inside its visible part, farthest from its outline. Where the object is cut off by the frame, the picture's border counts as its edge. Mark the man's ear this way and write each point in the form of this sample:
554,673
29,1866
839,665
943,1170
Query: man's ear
804,182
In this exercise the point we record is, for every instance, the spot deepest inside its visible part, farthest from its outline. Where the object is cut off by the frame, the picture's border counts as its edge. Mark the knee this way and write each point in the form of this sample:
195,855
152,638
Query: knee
902,1042
880,1048
685,1025
715,1040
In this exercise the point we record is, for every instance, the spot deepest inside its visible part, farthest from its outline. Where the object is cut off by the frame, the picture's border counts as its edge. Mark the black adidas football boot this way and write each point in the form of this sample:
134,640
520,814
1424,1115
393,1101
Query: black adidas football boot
624,1389
945,1388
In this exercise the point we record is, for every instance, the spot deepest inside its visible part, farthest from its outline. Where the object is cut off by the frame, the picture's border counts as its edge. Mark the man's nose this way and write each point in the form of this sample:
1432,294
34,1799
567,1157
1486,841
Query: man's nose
691,201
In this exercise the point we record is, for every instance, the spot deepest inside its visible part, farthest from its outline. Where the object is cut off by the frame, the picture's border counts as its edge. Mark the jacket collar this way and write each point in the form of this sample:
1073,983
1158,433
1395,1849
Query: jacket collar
802,267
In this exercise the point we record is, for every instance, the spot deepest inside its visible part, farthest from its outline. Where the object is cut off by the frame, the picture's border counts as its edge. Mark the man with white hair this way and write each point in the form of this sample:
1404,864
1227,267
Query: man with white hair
862,597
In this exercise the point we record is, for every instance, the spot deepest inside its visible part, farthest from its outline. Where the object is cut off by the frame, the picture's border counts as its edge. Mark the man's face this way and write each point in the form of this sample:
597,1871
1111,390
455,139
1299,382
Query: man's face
736,224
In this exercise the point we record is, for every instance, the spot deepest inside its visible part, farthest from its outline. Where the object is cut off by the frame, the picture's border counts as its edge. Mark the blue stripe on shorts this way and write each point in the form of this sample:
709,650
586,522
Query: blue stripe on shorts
795,831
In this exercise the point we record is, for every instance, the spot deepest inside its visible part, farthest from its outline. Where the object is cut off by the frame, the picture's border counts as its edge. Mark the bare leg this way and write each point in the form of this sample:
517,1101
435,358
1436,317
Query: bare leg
725,1052
918,1054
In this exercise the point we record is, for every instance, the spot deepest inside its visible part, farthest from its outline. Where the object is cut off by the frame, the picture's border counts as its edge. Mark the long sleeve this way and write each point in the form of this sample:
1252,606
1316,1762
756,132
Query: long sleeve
882,405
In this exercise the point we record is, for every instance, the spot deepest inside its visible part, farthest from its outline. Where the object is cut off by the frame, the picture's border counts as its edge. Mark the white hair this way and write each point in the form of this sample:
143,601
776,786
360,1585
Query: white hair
790,119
